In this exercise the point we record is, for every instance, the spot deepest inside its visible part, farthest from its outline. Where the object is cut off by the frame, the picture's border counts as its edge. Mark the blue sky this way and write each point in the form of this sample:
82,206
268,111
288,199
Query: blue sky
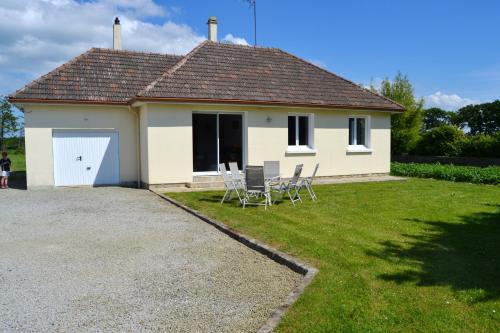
449,49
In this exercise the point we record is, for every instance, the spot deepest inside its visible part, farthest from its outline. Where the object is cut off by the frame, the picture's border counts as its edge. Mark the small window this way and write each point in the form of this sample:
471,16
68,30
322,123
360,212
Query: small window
299,130
358,131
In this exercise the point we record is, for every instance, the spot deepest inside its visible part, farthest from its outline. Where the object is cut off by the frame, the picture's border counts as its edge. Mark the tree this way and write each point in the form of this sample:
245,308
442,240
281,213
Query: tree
479,119
442,140
8,121
406,126
435,117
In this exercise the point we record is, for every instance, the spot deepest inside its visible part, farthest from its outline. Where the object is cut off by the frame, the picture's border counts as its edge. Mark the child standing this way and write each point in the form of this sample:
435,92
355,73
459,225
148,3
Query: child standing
5,168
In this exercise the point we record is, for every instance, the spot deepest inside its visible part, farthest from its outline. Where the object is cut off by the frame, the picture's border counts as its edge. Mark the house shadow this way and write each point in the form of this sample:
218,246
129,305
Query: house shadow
17,180
464,256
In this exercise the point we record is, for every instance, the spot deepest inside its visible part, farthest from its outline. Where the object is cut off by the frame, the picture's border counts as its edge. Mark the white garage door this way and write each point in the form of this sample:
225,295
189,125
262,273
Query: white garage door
84,158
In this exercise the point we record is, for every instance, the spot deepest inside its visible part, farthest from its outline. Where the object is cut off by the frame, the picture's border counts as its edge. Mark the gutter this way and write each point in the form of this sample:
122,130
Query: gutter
263,103
208,101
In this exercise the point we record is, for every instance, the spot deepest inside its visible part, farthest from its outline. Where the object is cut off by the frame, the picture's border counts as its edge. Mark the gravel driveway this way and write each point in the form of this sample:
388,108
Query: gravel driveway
116,259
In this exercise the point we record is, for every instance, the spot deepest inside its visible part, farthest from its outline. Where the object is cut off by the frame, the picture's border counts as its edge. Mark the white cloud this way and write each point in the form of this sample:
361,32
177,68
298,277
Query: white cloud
447,102
319,63
375,82
38,35
229,38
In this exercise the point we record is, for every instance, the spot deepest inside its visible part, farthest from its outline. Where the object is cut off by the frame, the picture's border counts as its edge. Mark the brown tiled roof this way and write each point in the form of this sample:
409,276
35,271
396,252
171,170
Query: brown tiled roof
99,75
226,72
212,72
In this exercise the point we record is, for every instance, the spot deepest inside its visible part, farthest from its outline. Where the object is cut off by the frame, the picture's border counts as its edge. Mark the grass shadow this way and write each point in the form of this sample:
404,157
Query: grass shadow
463,256
216,198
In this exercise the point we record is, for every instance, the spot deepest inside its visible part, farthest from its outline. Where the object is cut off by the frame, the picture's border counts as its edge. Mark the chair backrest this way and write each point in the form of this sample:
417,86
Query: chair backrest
271,169
235,172
254,178
296,174
228,181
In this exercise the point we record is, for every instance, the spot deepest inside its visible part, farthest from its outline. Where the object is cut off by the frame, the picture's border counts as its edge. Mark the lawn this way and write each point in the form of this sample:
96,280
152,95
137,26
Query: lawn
418,255
18,160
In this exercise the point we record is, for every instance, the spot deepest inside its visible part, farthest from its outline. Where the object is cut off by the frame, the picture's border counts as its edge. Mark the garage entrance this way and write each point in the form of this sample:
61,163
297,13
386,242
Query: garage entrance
86,158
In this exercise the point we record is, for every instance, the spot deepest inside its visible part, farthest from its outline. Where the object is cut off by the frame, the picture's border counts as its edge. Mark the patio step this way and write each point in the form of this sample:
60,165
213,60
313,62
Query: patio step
206,179
213,185
206,182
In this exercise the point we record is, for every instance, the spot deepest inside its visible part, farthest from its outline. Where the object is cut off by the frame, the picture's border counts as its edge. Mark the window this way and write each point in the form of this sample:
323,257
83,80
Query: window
359,132
299,131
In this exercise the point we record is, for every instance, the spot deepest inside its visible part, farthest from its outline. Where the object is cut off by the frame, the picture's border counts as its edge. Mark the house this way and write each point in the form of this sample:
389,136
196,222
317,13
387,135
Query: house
111,116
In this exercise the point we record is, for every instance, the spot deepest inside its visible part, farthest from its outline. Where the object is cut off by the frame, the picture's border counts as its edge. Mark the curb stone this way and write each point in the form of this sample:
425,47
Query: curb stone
307,271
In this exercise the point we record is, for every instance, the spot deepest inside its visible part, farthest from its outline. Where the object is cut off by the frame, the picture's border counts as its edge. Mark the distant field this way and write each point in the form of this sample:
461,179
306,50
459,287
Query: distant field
18,160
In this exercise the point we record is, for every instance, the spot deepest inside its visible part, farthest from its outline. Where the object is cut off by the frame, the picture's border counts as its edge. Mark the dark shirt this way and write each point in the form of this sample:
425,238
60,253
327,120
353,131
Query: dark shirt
5,164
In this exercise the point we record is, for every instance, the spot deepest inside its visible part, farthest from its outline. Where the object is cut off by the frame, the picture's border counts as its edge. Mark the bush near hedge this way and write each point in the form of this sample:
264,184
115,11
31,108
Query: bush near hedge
448,140
477,175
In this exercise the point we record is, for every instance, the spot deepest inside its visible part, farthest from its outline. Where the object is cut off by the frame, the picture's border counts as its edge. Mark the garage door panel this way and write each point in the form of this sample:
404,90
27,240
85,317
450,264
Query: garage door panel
102,160
85,158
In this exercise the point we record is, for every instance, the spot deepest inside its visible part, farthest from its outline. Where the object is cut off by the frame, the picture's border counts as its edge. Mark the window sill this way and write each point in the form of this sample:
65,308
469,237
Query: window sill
294,150
359,150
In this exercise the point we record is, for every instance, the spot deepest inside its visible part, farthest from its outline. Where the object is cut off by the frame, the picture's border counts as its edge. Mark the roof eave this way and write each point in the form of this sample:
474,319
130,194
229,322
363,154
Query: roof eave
396,109
14,100
201,100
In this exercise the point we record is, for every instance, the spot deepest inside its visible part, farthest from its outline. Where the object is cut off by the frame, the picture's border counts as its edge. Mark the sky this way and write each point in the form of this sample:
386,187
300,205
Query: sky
450,50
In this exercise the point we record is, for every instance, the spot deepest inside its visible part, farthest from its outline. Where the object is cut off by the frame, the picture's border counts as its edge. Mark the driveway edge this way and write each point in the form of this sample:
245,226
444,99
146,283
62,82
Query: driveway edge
295,265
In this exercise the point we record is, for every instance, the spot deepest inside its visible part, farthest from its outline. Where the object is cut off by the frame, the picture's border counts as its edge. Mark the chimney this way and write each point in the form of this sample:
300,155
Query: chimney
117,35
212,28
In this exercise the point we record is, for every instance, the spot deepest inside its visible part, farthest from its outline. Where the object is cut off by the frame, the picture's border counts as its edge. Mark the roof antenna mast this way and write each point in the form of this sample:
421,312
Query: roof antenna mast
253,3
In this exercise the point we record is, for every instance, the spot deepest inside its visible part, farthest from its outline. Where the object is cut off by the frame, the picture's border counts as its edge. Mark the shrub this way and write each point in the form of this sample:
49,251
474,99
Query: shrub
444,140
489,175
481,145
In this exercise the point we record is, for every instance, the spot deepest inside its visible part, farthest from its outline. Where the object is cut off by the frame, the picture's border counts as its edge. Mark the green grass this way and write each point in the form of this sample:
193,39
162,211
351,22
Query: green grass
419,255
469,174
18,160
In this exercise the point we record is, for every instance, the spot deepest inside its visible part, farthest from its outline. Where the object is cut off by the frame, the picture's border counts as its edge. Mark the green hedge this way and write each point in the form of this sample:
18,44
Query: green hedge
489,175
448,140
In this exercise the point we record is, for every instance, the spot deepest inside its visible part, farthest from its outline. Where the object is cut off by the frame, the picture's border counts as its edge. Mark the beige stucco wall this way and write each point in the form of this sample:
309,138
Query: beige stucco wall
166,147
143,138
41,120
170,146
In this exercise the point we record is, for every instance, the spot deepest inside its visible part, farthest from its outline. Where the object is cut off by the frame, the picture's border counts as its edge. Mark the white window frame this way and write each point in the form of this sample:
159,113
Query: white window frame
367,147
302,149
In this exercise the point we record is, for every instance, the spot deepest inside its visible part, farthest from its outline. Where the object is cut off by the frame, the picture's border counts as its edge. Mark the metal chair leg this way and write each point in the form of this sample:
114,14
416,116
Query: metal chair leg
224,197
290,196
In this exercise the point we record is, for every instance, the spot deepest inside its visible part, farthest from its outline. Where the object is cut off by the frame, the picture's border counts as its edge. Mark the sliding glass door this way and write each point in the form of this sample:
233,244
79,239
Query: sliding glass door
217,138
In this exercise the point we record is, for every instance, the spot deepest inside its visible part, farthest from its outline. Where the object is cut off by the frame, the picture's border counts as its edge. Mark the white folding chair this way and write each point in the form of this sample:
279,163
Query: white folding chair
231,185
307,183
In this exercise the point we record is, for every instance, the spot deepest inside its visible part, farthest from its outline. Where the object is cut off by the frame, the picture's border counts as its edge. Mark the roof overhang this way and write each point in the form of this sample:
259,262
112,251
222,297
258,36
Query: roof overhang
138,101
26,101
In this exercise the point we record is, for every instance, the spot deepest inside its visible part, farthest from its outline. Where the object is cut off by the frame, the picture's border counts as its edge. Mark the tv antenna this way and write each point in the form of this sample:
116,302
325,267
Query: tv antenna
253,3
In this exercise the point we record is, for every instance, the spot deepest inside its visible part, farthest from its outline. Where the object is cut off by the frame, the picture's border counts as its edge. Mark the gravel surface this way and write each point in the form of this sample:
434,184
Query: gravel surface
116,259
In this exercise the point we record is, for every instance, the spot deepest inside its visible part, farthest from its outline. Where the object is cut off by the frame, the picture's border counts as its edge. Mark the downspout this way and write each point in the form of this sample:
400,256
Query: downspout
138,141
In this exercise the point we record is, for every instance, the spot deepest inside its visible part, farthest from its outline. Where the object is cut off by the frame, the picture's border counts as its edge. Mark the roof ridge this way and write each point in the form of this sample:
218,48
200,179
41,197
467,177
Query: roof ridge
243,46
137,52
342,78
52,72
172,69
